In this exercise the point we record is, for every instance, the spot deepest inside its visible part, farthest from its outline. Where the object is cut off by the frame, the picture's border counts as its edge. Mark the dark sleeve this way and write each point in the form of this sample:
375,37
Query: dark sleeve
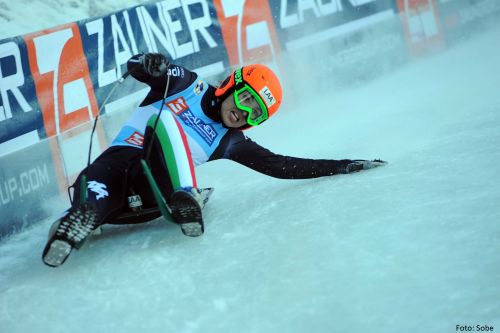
243,150
180,79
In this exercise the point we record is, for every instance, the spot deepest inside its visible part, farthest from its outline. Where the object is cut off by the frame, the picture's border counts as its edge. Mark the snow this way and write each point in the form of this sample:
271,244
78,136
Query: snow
410,247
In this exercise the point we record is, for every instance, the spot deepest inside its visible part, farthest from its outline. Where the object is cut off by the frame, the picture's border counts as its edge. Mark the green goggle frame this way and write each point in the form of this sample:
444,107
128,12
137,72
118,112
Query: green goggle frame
241,86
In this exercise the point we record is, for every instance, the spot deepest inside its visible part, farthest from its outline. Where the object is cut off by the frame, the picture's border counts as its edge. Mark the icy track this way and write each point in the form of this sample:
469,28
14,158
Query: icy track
412,247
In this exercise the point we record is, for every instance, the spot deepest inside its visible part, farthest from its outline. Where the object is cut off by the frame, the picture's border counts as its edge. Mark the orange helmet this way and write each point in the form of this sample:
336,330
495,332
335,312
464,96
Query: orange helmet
256,82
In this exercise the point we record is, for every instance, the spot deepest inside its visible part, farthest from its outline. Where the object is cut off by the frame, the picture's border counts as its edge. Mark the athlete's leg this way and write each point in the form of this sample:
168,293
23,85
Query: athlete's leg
105,197
173,169
106,189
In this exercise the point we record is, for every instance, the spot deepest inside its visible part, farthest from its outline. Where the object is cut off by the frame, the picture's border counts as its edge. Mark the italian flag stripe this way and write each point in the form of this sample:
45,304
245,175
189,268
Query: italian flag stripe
168,152
188,153
176,155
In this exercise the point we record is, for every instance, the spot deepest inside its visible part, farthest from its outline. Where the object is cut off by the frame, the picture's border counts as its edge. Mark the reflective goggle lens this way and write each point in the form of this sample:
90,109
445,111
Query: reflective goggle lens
247,100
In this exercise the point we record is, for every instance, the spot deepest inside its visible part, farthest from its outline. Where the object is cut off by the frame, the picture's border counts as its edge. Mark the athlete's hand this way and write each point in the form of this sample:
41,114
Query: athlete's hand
358,165
155,64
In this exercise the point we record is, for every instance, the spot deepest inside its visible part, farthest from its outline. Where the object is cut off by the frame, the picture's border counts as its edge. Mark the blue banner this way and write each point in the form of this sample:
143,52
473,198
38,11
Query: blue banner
27,180
189,35
19,110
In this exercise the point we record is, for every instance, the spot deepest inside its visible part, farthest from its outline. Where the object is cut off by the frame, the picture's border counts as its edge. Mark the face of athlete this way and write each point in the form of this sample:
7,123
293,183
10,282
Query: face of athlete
232,116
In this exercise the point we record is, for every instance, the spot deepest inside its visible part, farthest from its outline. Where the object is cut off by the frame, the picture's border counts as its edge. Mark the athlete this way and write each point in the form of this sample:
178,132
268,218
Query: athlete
182,122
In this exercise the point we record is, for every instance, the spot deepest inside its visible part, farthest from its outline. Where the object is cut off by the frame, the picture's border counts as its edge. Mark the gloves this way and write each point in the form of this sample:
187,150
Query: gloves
155,64
358,165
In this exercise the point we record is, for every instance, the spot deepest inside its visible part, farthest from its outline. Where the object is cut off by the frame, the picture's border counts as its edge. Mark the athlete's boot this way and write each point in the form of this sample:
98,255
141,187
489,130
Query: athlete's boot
186,204
72,230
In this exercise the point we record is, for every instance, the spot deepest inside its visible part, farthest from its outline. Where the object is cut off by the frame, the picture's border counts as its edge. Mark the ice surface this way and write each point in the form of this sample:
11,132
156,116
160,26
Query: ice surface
411,247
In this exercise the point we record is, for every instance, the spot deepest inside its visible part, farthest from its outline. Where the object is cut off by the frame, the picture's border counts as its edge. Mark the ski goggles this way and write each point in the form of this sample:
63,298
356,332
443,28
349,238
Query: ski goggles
249,101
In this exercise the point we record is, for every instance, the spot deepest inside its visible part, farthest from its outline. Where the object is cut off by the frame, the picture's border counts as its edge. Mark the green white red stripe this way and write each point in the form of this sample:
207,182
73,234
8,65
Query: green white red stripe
175,149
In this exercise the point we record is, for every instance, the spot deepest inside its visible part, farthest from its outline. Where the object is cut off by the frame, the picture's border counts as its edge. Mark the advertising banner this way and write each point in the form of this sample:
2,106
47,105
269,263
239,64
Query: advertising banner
303,23
186,32
21,121
249,32
422,25
27,187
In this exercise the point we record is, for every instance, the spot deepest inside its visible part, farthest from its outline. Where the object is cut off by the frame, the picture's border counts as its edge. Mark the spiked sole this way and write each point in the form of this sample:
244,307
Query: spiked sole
57,253
192,229
67,233
187,212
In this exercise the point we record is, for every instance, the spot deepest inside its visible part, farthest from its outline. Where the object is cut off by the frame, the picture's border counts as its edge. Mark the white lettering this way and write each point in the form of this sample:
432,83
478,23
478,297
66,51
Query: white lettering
4,195
103,78
287,21
172,25
178,106
130,33
154,33
176,71
307,5
268,96
136,139
121,56
12,186
143,28
49,49
182,103
43,175
34,183
176,26
76,97
199,24
27,182
318,7
11,82
25,186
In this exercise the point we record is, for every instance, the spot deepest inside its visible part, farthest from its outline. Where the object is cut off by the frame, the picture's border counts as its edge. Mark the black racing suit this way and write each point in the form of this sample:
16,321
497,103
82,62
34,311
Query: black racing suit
119,167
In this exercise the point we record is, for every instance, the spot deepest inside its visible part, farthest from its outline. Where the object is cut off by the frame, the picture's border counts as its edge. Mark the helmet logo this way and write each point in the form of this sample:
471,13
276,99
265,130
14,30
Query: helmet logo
267,96
237,77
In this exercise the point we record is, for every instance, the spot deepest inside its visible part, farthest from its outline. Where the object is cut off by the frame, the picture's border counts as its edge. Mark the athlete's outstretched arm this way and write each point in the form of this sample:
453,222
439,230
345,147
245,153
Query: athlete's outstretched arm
246,152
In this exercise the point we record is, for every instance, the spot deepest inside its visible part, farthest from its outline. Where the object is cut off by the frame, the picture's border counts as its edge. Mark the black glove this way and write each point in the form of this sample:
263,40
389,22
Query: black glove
358,165
155,64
